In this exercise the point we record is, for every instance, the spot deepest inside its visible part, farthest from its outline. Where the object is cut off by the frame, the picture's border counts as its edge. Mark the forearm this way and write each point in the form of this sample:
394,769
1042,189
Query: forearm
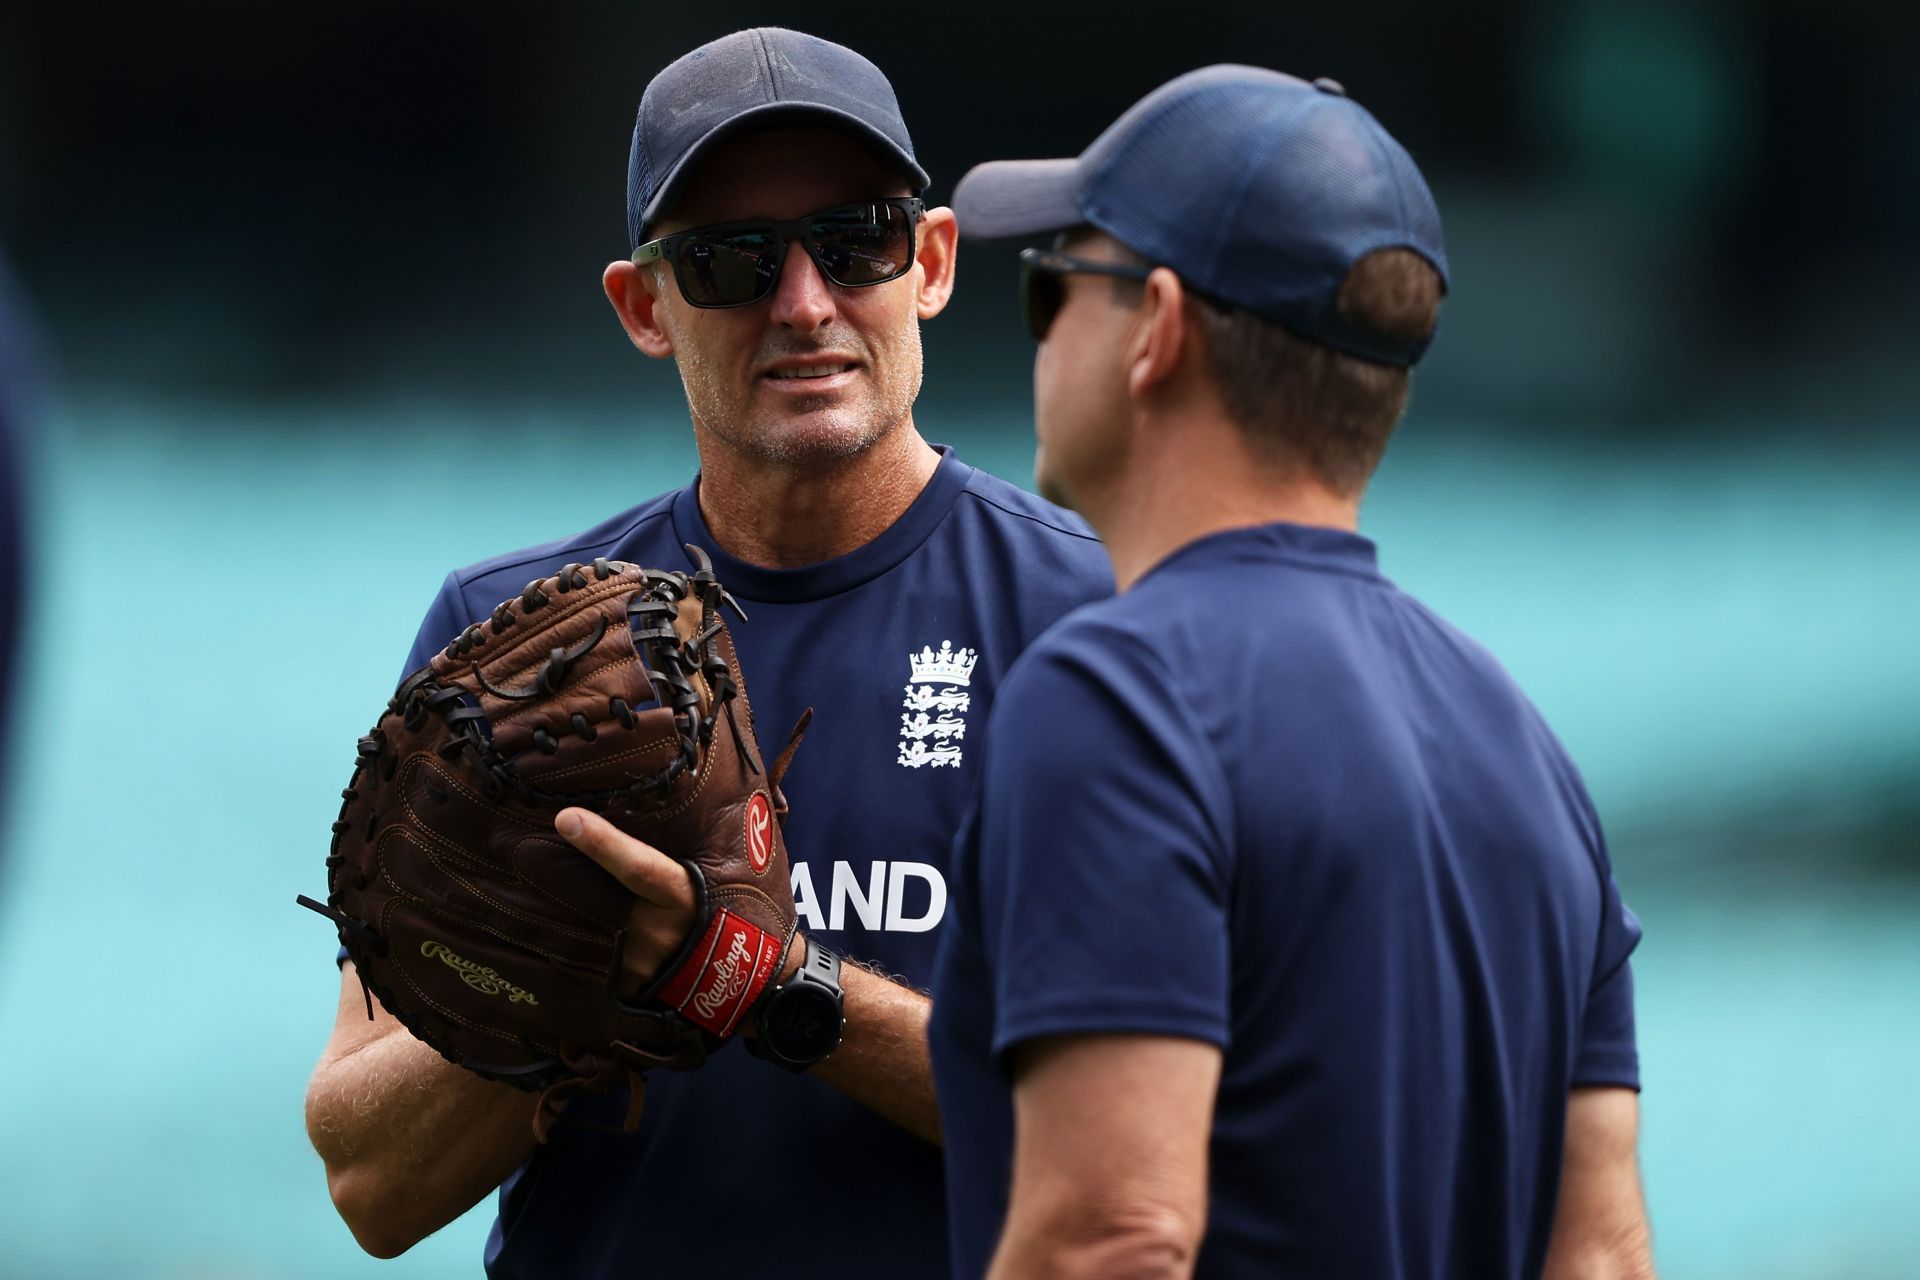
883,1061
1626,1256
411,1141
1600,1229
1110,1157
1140,1222
1156,1249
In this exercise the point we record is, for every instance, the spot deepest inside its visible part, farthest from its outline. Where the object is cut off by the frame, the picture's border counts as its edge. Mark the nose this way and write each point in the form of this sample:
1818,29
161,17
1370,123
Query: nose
802,298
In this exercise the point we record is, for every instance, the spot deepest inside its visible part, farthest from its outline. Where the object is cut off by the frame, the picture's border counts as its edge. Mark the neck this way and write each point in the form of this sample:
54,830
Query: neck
1186,480
785,514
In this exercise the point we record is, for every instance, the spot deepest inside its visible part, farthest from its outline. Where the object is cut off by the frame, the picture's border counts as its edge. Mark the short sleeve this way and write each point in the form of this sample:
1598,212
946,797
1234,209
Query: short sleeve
1609,1051
446,618
1103,869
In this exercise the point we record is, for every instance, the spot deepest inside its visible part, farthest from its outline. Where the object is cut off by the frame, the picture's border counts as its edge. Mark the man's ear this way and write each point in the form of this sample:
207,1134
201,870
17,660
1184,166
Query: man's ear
1159,339
631,291
939,245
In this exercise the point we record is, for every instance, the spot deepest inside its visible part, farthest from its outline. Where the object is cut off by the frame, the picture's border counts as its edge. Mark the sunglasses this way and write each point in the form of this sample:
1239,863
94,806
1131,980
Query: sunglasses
736,264
1043,286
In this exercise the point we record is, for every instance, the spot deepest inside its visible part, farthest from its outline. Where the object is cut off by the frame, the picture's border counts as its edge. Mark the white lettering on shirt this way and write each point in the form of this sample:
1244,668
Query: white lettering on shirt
897,878
878,903
805,904
865,905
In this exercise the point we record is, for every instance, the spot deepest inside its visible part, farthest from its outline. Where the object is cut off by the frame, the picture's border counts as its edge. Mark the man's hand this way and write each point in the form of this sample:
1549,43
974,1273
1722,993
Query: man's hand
882,1062
503,964
663,915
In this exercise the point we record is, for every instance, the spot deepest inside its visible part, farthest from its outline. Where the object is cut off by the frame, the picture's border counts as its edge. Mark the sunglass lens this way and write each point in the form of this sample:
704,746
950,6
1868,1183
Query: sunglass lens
1041,295
864,244
729,269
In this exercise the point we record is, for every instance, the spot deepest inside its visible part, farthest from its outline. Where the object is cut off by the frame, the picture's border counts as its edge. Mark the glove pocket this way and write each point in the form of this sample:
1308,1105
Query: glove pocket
486,895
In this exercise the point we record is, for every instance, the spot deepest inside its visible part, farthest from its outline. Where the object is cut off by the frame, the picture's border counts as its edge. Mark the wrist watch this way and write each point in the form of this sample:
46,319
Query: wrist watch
803,1017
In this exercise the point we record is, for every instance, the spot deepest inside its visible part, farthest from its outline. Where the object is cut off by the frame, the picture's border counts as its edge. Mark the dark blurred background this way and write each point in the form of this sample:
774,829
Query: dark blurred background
317,289
1662,214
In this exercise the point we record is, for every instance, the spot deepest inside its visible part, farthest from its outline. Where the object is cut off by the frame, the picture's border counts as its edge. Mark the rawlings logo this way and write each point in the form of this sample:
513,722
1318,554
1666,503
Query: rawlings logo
759,831
480,978
729,978
736,959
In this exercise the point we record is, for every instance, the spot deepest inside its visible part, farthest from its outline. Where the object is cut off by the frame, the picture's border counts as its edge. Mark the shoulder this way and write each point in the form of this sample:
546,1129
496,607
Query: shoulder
1140,631
1047,559
998,499
1099,651
1093,709
617,537
1475,668
642,534
1499,701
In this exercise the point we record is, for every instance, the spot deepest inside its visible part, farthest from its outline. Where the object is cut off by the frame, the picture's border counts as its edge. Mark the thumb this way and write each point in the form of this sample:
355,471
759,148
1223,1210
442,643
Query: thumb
643,869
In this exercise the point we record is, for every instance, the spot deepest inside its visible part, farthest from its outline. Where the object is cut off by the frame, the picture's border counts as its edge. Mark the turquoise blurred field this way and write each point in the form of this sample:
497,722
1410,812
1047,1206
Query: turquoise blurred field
1736,676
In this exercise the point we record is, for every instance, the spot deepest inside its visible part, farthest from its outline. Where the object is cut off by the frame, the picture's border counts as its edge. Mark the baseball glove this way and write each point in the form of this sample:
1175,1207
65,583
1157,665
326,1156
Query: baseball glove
494,941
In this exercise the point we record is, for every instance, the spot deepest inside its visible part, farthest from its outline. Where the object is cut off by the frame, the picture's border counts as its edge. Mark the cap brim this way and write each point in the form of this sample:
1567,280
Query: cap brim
1006,198
772,115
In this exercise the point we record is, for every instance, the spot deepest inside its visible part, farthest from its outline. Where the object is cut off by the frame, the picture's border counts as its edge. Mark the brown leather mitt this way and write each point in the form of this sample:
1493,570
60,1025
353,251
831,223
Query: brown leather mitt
606,686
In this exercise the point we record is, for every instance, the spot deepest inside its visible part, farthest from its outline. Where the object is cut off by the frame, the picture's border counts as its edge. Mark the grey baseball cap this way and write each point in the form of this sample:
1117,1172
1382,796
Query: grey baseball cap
755,79
1259,189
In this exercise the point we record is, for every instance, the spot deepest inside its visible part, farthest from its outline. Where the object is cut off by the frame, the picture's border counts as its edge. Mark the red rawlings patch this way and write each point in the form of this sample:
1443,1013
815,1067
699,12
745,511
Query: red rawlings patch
726,973
759,832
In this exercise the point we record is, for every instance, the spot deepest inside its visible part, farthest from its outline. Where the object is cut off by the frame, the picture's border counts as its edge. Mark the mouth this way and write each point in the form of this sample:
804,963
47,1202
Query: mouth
811,373
815,376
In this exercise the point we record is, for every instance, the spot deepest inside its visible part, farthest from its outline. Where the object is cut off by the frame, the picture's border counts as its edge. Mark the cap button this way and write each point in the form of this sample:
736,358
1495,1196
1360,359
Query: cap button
1327,84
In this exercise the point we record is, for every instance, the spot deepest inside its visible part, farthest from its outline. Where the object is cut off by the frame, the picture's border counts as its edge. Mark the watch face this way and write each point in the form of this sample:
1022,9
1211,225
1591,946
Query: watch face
803,1024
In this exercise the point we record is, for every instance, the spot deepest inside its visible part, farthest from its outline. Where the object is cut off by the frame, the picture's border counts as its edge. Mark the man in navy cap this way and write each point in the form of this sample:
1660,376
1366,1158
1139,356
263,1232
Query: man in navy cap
784,259
1285,941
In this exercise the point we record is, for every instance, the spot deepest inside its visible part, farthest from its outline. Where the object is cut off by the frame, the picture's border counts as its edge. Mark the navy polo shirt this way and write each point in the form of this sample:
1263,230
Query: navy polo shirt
1268,801
739,1167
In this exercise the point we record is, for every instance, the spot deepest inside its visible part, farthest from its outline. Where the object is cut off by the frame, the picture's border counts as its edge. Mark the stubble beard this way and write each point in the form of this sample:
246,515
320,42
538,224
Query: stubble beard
815,432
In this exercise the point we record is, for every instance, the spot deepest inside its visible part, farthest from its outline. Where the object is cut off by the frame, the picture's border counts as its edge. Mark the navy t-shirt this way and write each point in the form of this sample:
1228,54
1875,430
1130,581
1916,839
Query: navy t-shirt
1268,801
900,647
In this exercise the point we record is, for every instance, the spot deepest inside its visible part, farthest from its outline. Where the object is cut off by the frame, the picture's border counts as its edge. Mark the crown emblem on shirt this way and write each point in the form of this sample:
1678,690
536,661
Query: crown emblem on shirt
933,717
949,666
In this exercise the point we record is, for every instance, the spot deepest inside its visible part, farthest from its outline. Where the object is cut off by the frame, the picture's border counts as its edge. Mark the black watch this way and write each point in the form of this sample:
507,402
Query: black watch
802,1019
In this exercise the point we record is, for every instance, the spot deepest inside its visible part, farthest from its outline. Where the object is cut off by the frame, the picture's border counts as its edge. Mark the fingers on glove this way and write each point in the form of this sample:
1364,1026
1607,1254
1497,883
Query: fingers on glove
551,866
643,869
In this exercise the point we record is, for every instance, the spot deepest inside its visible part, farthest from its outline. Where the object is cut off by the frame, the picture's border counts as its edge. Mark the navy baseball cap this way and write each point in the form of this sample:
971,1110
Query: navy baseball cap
761,78
1258,189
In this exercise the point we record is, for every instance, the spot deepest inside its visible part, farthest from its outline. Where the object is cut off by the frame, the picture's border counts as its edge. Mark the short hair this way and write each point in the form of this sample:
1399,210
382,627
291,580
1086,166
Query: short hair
1301,402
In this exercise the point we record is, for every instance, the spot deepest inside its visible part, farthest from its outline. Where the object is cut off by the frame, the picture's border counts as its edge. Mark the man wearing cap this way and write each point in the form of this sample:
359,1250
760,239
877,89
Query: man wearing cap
1284,938
784,260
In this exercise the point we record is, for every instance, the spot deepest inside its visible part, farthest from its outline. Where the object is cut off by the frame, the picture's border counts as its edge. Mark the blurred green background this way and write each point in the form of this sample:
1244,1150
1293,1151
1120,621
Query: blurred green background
319,293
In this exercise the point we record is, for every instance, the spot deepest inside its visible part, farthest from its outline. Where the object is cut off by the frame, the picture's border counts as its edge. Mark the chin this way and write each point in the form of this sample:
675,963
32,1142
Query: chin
1046,483
1050,489
818,437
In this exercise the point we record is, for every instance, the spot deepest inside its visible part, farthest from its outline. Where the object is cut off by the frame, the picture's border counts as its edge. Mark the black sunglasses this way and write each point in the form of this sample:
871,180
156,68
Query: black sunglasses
1043,289
736,264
